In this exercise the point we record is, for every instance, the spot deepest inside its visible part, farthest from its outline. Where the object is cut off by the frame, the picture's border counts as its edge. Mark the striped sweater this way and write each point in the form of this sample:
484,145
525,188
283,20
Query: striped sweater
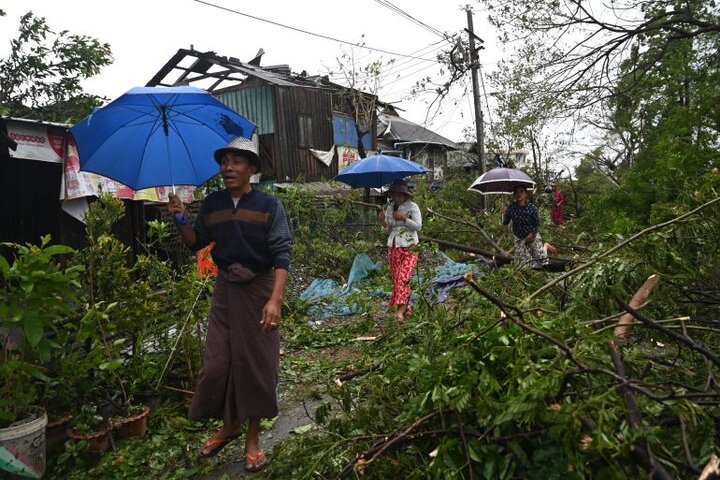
255,233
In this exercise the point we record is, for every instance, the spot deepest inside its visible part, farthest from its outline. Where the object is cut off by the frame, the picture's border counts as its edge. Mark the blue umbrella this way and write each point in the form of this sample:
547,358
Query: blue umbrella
158,136
378,170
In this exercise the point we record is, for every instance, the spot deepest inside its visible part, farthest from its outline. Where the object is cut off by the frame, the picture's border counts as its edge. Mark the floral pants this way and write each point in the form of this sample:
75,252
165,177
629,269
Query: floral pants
530,256
402,265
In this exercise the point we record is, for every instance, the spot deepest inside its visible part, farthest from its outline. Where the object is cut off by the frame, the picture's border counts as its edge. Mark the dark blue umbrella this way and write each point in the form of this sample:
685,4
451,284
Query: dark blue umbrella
502,180
158,136
378,170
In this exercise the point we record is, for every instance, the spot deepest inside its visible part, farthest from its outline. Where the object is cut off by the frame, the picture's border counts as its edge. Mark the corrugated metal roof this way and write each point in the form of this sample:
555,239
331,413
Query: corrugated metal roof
255,103
393,127
228,72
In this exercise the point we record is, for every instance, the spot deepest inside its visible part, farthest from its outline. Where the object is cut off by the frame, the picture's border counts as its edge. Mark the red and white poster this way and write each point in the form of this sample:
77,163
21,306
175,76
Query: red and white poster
37,141
346,155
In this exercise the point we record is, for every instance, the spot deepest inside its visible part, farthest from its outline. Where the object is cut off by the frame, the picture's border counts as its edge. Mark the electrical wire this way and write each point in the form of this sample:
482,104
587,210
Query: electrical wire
402,13
220,7
487,103
395,68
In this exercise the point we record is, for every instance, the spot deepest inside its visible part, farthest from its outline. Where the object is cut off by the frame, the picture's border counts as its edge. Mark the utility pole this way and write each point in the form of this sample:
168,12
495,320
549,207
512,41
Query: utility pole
475,67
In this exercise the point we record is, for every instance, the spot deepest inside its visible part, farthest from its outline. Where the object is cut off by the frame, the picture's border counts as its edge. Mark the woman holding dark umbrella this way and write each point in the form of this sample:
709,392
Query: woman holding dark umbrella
402,220
525,217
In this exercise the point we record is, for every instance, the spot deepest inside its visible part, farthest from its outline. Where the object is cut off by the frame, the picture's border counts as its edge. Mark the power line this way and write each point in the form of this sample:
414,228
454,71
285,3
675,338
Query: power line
386,85
394,70
482,82
220,7
402,13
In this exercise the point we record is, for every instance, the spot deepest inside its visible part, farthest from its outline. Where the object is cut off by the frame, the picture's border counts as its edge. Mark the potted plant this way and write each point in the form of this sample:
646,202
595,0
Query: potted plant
37,294
121,304
88,426
133,421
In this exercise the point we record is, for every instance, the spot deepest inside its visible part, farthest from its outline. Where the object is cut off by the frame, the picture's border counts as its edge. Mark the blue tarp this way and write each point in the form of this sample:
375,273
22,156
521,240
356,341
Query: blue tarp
450,275
329,297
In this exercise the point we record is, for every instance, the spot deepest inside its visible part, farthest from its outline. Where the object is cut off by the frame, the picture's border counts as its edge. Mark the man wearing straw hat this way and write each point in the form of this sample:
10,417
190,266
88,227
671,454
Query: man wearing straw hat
252,251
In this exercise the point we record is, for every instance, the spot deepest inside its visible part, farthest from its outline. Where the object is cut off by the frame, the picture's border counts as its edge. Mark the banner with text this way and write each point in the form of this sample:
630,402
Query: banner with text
36,141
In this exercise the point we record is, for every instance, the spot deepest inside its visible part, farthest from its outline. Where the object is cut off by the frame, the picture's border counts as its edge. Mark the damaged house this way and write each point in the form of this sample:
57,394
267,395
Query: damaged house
306,124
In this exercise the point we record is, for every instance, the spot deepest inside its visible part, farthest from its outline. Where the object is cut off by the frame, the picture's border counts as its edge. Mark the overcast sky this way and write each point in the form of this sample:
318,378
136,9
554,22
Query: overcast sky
144,34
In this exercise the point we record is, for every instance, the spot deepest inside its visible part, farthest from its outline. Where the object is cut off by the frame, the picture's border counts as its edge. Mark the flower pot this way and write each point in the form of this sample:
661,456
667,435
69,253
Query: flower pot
151,398
98,442
56,432
134,426
22,447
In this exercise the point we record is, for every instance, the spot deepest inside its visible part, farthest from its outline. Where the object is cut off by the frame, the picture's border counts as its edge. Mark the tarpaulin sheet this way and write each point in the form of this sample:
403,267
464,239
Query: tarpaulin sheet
329,298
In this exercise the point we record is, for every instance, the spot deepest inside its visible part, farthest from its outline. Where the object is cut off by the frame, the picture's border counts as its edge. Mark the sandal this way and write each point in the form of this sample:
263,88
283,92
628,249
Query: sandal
253,463
213,445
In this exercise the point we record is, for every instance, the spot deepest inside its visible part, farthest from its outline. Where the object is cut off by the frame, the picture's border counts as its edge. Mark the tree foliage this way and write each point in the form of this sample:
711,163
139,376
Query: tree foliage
580,45
42,75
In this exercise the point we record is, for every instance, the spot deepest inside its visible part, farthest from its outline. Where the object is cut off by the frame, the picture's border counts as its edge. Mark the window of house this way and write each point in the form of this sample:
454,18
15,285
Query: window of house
305,130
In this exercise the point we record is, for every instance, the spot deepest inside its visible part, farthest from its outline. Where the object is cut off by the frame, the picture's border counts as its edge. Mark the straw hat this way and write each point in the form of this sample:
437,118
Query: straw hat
241,145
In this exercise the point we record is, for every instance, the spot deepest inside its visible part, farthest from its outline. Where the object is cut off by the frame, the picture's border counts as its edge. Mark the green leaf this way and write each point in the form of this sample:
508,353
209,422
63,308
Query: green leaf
4,267
473,451
304,429
53,250
32,324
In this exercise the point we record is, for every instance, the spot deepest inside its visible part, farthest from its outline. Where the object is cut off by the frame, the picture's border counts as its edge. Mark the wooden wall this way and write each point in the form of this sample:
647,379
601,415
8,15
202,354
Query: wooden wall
292,159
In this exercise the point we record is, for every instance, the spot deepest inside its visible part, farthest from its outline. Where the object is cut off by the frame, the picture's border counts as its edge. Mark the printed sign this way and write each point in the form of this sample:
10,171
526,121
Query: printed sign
36,141
346,155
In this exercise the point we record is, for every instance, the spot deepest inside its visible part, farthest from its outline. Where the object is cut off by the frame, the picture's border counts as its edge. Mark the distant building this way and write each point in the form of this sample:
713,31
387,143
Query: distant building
406,139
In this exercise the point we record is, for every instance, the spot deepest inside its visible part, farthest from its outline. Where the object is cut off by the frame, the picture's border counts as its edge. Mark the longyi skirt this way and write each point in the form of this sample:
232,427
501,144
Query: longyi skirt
240,365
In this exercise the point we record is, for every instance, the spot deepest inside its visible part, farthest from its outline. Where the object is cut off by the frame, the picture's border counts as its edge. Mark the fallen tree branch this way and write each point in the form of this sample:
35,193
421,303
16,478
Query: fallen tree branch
667,320
614,316
506,310
461,247
687,341
617,247
478,228
360,463
367,204
459,421
356,373
686,446
396,440
622,330
642,455
711,470
568,351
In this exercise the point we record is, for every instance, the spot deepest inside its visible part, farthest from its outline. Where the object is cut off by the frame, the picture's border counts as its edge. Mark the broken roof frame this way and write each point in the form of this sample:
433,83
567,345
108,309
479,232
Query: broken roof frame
233,73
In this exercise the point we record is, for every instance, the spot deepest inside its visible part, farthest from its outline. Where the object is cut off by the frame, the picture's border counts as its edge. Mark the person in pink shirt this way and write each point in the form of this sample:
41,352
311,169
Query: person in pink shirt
558,200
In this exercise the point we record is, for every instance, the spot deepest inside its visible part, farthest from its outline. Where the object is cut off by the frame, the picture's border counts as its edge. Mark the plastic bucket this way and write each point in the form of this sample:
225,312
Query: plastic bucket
22,447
